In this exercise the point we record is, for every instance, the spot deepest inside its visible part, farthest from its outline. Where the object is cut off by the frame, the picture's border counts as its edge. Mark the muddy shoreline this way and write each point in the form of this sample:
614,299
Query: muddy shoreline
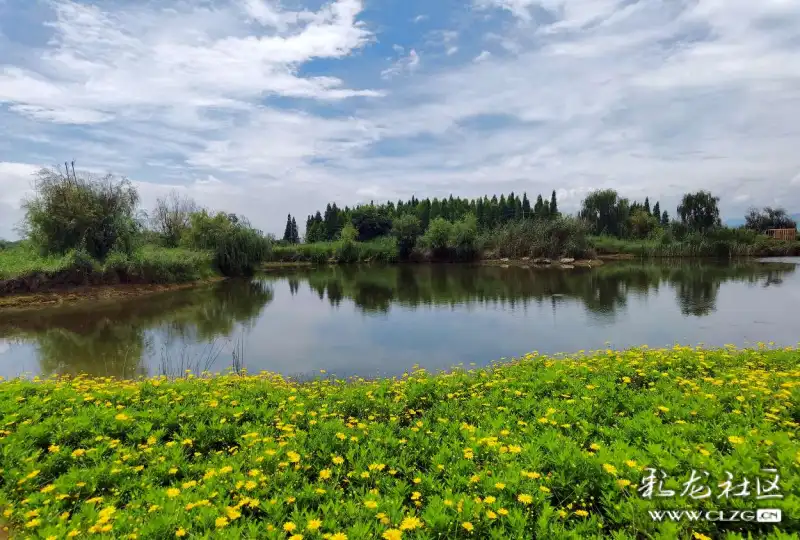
86,293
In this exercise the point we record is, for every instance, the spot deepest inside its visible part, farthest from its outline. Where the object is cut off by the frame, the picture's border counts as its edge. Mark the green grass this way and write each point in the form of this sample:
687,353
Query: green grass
538,447
24,260
699,247
379,250
148,264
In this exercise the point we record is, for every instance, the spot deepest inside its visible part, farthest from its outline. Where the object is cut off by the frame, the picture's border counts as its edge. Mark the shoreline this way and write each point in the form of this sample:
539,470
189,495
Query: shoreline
69,296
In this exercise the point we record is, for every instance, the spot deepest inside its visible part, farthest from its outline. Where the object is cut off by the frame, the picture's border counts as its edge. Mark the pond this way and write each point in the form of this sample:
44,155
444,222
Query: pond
371,321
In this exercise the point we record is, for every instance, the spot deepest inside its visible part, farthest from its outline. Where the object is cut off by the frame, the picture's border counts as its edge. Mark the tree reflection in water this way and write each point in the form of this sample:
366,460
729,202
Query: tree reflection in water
112,338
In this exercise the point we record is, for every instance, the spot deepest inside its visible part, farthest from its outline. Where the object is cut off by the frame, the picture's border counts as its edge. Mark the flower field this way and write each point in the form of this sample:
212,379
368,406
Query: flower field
547,447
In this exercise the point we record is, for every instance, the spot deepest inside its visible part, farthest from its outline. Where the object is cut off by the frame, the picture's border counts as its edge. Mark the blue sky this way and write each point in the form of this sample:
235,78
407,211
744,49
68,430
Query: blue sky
266,108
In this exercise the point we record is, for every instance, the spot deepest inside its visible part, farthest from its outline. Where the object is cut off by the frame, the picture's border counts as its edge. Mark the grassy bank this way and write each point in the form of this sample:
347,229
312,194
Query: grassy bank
759,246
24,270
552,447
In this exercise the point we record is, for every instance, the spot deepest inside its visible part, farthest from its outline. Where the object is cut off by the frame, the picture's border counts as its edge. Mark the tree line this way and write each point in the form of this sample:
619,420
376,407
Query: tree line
605,212
371,220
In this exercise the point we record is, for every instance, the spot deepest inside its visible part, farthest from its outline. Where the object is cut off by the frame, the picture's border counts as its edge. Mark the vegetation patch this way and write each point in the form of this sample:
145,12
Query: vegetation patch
548,447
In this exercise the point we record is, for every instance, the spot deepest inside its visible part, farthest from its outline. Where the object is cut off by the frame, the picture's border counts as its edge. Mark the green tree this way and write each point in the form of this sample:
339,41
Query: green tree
768,218
657,211
370,222
406,229
647,205
69,211
553,205
605,212
526,206
699,211
665,219
295,233
287,231
538,208
642,224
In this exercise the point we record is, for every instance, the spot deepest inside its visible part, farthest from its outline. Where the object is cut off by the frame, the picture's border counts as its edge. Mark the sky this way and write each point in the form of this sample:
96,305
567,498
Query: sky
267,107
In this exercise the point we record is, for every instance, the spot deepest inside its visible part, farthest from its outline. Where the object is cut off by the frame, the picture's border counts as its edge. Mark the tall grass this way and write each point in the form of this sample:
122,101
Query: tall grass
553,238
696,246
383,249
24,269
238,248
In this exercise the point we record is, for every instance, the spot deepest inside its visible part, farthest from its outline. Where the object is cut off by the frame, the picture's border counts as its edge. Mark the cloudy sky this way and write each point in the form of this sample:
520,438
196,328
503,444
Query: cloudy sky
265,107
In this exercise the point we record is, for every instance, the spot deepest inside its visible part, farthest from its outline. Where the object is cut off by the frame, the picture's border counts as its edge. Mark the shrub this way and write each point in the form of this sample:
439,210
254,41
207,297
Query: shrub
539,238
406,229
238,248
70,212
437,237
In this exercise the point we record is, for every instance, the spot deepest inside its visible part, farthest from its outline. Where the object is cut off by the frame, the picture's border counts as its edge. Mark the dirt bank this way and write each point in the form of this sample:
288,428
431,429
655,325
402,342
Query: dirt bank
84,293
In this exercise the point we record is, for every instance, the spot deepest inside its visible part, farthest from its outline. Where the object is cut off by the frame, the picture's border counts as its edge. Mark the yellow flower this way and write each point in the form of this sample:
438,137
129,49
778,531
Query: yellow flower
78,453
622,482
289,526
630,463
338,536
489,500
468,526
544,489
663,409
581,513
700,536
524,498
491,515
500,485
594,446
53,448
324,474
733,439
220,522
173,492
313,524
180,532
338,460
48,488
122,417
173,470
610,469
410,523
502,511
392,534
371,505
296,537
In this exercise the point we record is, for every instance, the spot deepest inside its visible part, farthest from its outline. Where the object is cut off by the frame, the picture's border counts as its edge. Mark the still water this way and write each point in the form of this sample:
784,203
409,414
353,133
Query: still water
381,321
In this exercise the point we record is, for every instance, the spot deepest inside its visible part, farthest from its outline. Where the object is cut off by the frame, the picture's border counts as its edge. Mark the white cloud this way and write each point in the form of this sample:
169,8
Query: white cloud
102,65
652,98
452,50
485,55
405,64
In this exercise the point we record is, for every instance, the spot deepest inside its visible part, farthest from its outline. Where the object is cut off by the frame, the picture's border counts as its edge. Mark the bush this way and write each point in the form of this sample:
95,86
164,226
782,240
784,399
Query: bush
437,237
69,212
564,236
238,249
406,229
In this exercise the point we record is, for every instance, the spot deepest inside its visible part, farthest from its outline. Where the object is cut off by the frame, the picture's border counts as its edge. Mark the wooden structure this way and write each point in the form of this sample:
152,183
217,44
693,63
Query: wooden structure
783,234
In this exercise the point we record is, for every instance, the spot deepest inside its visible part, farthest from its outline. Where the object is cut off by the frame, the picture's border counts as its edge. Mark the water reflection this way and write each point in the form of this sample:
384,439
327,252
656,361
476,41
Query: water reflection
113,338
602,290
370,320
